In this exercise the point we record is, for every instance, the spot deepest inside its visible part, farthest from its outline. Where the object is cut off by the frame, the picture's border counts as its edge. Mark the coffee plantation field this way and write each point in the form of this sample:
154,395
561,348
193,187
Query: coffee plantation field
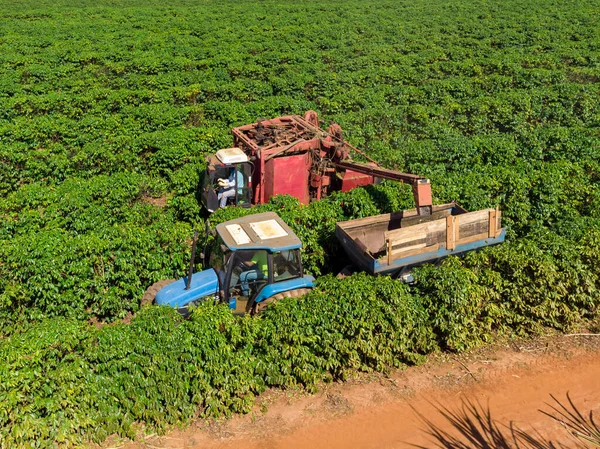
108,109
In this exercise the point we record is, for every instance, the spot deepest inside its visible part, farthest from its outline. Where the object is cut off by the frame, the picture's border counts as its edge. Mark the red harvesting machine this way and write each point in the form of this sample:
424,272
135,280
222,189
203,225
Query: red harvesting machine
293,155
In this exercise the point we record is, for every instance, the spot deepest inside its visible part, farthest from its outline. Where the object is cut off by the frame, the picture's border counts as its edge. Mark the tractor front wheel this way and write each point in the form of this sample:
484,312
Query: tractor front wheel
150,294
297,293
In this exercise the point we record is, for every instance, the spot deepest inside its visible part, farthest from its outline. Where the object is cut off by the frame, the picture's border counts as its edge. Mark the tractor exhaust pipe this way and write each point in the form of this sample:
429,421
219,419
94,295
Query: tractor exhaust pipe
189,278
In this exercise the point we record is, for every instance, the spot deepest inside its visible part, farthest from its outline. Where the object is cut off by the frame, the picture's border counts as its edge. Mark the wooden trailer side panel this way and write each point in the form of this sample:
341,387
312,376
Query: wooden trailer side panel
448,232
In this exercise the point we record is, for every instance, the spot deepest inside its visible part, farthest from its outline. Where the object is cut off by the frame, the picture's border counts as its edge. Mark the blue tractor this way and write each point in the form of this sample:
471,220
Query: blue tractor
252,262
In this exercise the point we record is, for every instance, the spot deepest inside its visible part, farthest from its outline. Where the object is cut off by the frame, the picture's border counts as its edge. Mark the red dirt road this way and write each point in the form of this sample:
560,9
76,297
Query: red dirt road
513,383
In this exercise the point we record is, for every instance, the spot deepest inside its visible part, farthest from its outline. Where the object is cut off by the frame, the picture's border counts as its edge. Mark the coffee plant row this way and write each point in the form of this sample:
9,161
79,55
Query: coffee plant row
63,382
109,108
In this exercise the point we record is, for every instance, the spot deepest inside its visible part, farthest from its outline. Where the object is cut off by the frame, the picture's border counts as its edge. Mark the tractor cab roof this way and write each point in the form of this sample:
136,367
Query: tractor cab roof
259,231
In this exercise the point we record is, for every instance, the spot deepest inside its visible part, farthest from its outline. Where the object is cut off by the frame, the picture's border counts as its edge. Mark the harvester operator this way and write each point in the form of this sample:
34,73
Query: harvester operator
227,186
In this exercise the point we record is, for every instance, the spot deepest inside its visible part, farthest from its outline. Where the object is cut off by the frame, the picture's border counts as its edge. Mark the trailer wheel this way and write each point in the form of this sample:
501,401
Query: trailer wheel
348,270
150,294
297,293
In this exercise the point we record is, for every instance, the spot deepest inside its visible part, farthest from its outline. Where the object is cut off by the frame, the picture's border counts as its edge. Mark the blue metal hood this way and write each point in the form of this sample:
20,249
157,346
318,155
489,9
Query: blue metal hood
204,283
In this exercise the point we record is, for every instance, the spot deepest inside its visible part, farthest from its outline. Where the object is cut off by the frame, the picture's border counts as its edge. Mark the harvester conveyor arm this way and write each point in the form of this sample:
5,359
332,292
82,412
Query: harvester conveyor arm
379,172
421,185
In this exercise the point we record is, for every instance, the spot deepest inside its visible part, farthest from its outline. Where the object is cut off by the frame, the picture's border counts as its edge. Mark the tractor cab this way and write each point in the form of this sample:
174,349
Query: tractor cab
230,165
251,262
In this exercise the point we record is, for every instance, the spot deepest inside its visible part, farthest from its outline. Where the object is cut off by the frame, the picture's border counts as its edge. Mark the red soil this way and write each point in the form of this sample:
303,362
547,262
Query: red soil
376,411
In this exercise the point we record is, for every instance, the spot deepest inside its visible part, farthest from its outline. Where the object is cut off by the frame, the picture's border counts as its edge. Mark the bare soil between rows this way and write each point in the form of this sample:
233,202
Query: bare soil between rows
511,382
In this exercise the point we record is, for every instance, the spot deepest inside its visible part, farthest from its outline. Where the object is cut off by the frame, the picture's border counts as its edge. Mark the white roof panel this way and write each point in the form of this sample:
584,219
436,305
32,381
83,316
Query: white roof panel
268,229
238,234
231,156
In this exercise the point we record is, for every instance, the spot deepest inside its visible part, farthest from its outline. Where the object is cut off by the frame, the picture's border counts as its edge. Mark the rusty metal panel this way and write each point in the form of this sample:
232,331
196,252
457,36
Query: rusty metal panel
288,175
352,179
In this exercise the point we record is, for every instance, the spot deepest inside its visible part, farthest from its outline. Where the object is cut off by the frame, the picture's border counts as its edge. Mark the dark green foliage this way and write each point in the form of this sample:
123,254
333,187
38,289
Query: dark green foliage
548,280
543,281
46,387
100,273
64,382
463,310
108,110
362,324
104,107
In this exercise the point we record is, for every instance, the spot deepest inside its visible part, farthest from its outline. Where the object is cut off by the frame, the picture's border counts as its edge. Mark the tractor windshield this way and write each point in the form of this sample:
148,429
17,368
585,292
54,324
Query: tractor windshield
287,265
249,273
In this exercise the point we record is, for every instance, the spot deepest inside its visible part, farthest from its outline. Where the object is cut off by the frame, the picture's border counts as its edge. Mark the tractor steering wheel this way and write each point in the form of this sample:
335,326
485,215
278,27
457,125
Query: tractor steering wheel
244,267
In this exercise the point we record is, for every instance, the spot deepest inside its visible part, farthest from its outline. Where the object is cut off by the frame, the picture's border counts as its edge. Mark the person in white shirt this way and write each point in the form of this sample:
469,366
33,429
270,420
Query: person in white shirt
227,186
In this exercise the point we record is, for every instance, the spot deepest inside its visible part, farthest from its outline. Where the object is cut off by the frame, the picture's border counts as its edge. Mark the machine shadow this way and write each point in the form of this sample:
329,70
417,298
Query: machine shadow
472,426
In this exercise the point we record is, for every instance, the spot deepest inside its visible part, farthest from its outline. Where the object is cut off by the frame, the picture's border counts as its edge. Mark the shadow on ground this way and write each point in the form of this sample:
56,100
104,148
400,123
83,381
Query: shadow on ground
473,427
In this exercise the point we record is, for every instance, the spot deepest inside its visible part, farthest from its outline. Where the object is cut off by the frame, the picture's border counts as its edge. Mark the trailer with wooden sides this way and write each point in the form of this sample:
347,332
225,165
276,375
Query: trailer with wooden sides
393,243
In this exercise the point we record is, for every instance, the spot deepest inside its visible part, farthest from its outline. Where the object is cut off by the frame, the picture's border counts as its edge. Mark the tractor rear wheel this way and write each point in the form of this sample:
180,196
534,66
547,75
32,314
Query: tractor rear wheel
297,293
150,294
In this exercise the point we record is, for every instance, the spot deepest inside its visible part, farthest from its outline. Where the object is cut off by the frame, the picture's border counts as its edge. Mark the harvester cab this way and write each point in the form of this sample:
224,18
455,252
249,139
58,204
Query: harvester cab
227,180
252,262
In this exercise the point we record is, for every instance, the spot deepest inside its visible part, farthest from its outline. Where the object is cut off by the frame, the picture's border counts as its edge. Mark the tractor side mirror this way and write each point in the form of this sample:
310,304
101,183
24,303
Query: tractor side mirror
191,271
